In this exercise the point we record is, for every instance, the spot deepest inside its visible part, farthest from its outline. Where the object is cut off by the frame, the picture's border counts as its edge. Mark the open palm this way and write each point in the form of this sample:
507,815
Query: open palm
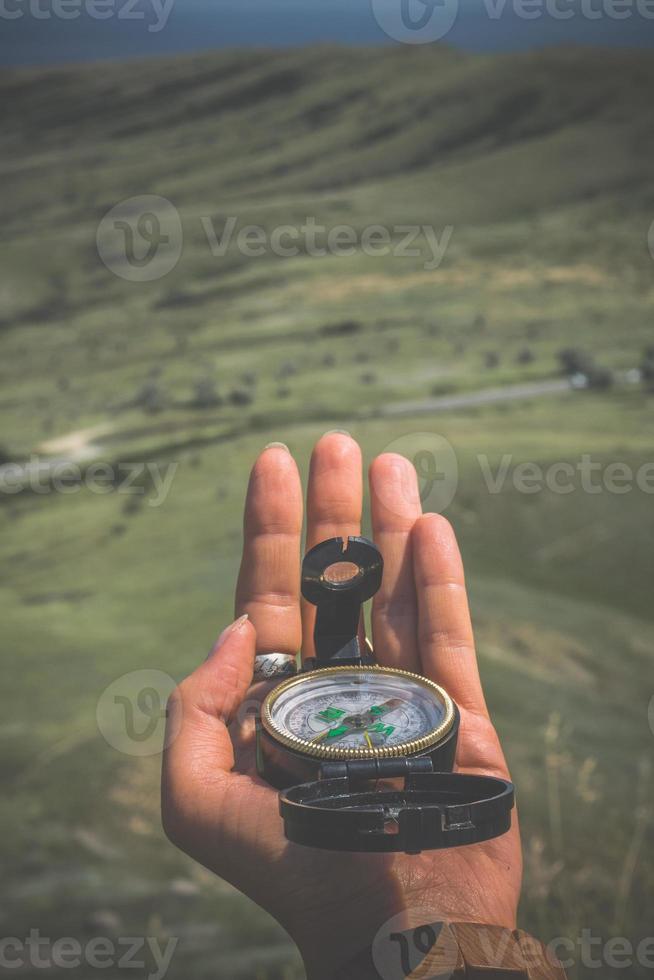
216,807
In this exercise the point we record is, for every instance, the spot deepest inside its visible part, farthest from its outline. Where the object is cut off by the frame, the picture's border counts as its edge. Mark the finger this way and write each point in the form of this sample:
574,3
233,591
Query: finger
198,746
207,810
478,748
334,502
268,586
446,642
445,637
395,507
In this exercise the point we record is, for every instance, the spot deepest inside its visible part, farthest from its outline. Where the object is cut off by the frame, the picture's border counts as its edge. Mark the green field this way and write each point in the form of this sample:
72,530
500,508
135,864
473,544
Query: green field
541,166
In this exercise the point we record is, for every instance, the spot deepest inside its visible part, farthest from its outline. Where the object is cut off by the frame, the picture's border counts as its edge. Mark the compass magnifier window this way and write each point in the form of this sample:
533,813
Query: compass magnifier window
342,574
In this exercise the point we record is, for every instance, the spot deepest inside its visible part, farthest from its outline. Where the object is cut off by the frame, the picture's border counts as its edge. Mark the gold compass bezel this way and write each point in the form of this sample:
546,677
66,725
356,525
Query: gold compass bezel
304,746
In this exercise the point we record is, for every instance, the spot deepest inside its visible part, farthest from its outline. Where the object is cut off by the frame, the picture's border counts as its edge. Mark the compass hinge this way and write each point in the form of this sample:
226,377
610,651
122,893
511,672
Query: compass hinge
375,768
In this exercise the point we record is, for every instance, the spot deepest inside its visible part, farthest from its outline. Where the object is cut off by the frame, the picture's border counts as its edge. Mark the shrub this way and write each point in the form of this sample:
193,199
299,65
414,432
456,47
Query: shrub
205,394
525,356
573,360
647,368
239,396
150,397
599,378
346,328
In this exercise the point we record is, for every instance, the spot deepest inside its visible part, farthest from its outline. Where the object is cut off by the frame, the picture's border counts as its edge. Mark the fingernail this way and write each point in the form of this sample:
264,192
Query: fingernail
277,445
232,628
240,623
338,432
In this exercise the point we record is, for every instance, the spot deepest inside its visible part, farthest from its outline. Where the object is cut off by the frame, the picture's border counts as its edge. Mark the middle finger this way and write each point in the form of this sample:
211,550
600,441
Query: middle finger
334,502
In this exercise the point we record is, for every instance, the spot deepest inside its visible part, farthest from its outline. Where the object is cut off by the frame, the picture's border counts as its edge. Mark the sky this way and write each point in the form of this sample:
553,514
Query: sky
56,31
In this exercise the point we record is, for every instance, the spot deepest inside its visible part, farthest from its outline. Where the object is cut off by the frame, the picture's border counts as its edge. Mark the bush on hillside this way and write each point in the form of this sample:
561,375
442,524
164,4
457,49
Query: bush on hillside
575,361
205,394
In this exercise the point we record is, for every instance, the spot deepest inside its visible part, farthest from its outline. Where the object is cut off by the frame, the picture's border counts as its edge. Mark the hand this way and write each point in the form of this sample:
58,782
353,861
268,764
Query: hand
215,806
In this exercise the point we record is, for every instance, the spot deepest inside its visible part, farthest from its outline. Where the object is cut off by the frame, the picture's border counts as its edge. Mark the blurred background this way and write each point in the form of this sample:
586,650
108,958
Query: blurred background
230,223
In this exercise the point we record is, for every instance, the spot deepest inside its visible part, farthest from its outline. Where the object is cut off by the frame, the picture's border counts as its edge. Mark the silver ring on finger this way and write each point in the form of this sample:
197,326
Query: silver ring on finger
274,666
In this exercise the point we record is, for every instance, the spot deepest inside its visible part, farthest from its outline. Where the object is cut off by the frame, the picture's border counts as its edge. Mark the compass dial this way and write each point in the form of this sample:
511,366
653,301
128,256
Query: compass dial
358,712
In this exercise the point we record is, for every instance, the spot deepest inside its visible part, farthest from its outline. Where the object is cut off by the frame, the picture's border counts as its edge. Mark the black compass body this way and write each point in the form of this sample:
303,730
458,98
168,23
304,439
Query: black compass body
362,753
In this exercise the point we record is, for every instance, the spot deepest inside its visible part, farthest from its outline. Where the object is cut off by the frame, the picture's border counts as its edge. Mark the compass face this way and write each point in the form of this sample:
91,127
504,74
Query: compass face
358,712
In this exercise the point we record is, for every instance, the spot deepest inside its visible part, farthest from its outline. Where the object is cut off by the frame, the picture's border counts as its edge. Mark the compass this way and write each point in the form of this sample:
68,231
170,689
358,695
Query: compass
359,712
363,753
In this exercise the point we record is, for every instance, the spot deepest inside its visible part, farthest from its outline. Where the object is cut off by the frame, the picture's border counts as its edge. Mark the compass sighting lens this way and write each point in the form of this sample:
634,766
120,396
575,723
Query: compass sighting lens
341,573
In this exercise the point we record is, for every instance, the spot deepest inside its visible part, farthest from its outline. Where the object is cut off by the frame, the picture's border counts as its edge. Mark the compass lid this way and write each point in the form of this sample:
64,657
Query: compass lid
345,811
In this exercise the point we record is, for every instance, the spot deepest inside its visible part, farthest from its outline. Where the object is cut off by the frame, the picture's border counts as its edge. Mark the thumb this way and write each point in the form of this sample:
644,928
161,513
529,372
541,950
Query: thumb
224,679
199,750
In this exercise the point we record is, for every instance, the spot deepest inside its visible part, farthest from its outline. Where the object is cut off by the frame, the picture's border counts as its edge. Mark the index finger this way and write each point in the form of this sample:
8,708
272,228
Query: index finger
445,638
446,641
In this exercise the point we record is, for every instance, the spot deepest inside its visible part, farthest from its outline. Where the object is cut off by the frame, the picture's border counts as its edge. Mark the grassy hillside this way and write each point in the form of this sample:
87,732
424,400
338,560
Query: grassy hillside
541,165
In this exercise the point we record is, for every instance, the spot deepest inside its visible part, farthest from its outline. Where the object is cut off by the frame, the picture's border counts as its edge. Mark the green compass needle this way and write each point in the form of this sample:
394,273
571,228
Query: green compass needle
331,714
331,733
364,723
338,732
386,707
